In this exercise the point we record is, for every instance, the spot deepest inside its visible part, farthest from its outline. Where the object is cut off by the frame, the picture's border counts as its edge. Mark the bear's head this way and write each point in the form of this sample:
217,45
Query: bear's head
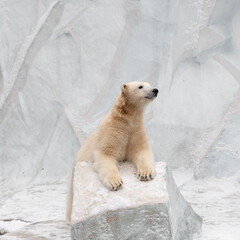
139,93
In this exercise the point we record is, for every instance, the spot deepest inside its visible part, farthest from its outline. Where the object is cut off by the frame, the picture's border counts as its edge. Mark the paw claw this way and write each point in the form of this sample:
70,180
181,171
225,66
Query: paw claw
145,174
114,183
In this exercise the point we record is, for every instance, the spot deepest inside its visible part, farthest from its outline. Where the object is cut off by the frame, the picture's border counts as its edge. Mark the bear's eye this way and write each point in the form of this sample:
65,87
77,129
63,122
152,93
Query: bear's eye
140,87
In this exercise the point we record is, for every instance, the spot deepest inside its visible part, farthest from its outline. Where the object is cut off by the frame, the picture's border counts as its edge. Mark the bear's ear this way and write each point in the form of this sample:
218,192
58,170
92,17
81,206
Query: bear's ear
124,88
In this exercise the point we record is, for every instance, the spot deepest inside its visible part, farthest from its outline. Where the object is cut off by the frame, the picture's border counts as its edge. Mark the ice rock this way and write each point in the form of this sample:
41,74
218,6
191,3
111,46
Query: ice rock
223,158
140,210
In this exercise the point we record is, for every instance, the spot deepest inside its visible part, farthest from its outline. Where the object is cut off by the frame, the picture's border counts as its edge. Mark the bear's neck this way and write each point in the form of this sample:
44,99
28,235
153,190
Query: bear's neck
125,110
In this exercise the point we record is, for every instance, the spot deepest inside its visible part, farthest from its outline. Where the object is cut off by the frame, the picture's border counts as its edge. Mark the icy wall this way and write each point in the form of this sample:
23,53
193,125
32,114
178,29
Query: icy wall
62,64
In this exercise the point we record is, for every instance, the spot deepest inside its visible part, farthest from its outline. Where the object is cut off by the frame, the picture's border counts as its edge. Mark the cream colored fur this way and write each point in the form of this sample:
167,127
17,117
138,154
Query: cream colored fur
120,136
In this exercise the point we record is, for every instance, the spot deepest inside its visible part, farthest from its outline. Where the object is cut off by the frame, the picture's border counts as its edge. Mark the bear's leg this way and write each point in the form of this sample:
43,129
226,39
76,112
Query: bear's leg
140,154
106,166
143,159
145,164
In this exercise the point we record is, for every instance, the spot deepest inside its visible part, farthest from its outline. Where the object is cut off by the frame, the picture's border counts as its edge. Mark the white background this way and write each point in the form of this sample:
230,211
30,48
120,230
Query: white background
61,66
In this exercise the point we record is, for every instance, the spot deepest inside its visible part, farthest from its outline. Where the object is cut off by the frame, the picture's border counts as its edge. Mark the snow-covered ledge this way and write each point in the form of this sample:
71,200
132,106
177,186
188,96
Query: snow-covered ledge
140,210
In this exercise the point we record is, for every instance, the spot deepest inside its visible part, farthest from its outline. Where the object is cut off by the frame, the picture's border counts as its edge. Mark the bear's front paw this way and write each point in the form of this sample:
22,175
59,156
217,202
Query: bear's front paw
145,174
113,182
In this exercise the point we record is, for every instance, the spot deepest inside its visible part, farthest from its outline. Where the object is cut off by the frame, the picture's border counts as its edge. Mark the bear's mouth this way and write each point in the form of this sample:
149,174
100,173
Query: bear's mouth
150,97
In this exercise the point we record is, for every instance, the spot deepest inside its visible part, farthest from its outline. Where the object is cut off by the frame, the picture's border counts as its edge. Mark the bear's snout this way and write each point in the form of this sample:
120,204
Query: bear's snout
155,91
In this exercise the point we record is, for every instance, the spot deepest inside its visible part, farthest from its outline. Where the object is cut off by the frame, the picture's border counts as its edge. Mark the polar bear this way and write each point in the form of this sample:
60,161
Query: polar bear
120,136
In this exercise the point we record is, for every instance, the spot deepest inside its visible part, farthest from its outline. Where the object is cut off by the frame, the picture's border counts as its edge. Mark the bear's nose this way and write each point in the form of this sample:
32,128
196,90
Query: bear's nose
155,91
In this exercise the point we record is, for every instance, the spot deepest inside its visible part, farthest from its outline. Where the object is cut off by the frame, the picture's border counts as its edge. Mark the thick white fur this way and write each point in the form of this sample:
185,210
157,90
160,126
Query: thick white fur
120,136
